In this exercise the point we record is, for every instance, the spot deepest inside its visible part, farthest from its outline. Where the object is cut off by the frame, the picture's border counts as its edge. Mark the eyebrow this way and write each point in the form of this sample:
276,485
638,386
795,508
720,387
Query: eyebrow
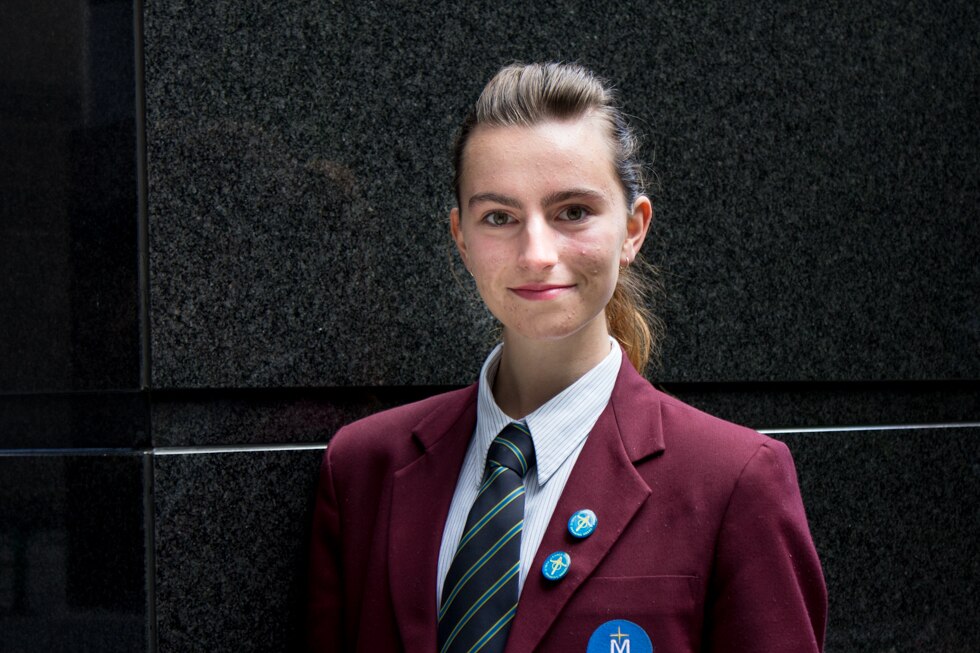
574,193
496,198
553,198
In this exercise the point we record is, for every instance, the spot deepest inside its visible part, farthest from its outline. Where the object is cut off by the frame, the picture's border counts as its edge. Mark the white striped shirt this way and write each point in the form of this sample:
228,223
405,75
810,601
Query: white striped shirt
558,428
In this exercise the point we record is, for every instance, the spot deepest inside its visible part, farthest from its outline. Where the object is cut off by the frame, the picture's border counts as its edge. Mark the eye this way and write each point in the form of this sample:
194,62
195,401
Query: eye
497,218
574,214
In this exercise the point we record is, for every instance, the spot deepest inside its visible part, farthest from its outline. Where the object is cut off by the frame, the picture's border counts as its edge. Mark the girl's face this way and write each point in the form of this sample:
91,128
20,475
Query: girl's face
543,225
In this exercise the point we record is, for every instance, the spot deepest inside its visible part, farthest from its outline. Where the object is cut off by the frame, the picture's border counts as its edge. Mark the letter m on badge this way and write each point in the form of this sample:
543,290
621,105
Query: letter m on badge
619,647
619,642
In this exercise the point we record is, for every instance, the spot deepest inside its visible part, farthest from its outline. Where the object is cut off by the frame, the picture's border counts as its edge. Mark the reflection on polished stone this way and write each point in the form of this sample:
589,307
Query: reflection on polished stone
68,243
785,405
72,572
86,420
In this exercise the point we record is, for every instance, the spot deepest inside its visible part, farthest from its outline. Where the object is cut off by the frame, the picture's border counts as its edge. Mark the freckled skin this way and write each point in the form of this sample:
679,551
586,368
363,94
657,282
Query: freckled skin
541,206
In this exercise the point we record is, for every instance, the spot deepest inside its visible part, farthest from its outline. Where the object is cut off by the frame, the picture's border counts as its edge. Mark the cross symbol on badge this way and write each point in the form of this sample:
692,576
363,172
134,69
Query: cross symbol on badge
619,634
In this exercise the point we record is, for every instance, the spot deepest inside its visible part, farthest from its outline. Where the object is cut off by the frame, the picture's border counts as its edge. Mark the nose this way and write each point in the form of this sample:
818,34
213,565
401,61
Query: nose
539,246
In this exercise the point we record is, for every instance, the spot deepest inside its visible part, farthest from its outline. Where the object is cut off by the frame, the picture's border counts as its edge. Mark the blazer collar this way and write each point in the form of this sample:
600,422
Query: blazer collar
446,419
605,480
638,413
423,490
628,431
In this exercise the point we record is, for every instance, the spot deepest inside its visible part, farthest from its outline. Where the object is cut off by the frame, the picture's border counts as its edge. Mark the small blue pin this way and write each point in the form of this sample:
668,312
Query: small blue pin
582,523
556,566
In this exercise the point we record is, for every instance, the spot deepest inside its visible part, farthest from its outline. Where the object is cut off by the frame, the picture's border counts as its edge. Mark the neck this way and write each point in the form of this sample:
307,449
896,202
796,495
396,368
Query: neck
533,371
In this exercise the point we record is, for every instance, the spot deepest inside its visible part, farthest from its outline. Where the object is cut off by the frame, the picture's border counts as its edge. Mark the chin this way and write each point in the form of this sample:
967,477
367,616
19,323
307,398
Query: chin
546,330
547,324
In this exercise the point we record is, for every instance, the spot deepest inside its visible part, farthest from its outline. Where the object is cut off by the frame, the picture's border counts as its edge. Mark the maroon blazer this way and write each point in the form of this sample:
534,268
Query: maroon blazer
702,540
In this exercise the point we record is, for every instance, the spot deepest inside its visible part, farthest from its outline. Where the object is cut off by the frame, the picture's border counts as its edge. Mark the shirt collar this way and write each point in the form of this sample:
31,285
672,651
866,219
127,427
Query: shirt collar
561,424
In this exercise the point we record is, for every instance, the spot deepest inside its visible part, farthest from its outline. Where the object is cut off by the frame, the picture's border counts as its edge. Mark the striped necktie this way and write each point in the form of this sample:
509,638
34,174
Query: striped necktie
479,595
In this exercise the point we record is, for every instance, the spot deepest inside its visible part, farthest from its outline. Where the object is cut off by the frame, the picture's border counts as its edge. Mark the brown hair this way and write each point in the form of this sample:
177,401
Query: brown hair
528,94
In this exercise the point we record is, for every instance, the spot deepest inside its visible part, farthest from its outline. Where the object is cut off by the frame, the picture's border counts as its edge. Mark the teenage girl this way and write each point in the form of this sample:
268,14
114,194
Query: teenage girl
560,503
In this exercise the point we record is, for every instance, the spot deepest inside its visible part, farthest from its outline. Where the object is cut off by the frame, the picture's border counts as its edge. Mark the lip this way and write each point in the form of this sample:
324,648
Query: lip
540,291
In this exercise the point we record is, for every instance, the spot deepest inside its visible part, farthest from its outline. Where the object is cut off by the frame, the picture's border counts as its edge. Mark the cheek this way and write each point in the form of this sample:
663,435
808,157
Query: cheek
486,268
488,264
598,260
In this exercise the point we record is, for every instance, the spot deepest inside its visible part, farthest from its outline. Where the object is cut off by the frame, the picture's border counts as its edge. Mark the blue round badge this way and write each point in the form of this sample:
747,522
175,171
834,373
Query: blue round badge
619,636
556,566
582,523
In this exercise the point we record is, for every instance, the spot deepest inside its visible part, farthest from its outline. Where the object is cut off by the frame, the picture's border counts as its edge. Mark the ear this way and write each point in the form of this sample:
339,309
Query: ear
637,226
457,231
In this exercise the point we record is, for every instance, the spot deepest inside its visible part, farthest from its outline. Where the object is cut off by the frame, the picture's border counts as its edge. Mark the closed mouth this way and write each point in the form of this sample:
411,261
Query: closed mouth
540,290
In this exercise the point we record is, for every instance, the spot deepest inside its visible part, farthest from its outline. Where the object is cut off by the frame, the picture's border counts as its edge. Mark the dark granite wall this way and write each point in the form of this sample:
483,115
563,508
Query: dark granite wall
223,235
815,218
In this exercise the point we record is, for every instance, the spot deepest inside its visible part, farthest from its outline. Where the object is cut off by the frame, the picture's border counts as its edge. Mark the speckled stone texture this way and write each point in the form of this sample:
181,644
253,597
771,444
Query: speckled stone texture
895,518
232,533
816,218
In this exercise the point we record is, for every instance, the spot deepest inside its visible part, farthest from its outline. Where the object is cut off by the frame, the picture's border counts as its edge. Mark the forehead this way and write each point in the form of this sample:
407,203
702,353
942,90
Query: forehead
577,151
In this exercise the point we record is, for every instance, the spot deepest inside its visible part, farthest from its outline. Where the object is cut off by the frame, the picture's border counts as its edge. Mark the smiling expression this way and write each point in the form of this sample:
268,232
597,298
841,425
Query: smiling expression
543,225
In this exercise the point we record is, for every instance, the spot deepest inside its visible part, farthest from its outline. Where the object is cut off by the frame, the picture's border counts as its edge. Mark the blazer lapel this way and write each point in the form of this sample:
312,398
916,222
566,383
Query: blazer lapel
423,490
605,480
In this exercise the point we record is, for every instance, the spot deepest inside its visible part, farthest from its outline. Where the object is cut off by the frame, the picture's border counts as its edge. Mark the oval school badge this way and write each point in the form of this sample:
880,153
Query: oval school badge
582,523
556,566
619,636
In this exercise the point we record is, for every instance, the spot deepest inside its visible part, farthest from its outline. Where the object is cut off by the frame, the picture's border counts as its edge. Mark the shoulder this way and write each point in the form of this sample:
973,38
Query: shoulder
389,432
363,458
686,425
692,438
734,470
734,455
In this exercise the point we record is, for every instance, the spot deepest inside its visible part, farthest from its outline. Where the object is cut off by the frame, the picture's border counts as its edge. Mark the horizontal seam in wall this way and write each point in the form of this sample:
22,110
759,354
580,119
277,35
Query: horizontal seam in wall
161,451
246,448
235,448
883,427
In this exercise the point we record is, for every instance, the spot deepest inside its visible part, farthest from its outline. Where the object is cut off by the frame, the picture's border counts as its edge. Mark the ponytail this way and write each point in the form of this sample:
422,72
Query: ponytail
629,320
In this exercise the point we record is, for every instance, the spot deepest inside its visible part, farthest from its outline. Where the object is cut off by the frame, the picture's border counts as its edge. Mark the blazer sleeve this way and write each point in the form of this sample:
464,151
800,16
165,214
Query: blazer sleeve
325,614
767,591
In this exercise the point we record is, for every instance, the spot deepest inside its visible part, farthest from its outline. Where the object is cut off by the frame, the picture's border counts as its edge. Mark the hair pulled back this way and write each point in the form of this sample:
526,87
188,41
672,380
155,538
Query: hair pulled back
529,94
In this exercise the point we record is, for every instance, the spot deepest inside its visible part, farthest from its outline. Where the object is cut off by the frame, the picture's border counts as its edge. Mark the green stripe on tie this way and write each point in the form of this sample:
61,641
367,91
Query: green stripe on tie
480,591
481,601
